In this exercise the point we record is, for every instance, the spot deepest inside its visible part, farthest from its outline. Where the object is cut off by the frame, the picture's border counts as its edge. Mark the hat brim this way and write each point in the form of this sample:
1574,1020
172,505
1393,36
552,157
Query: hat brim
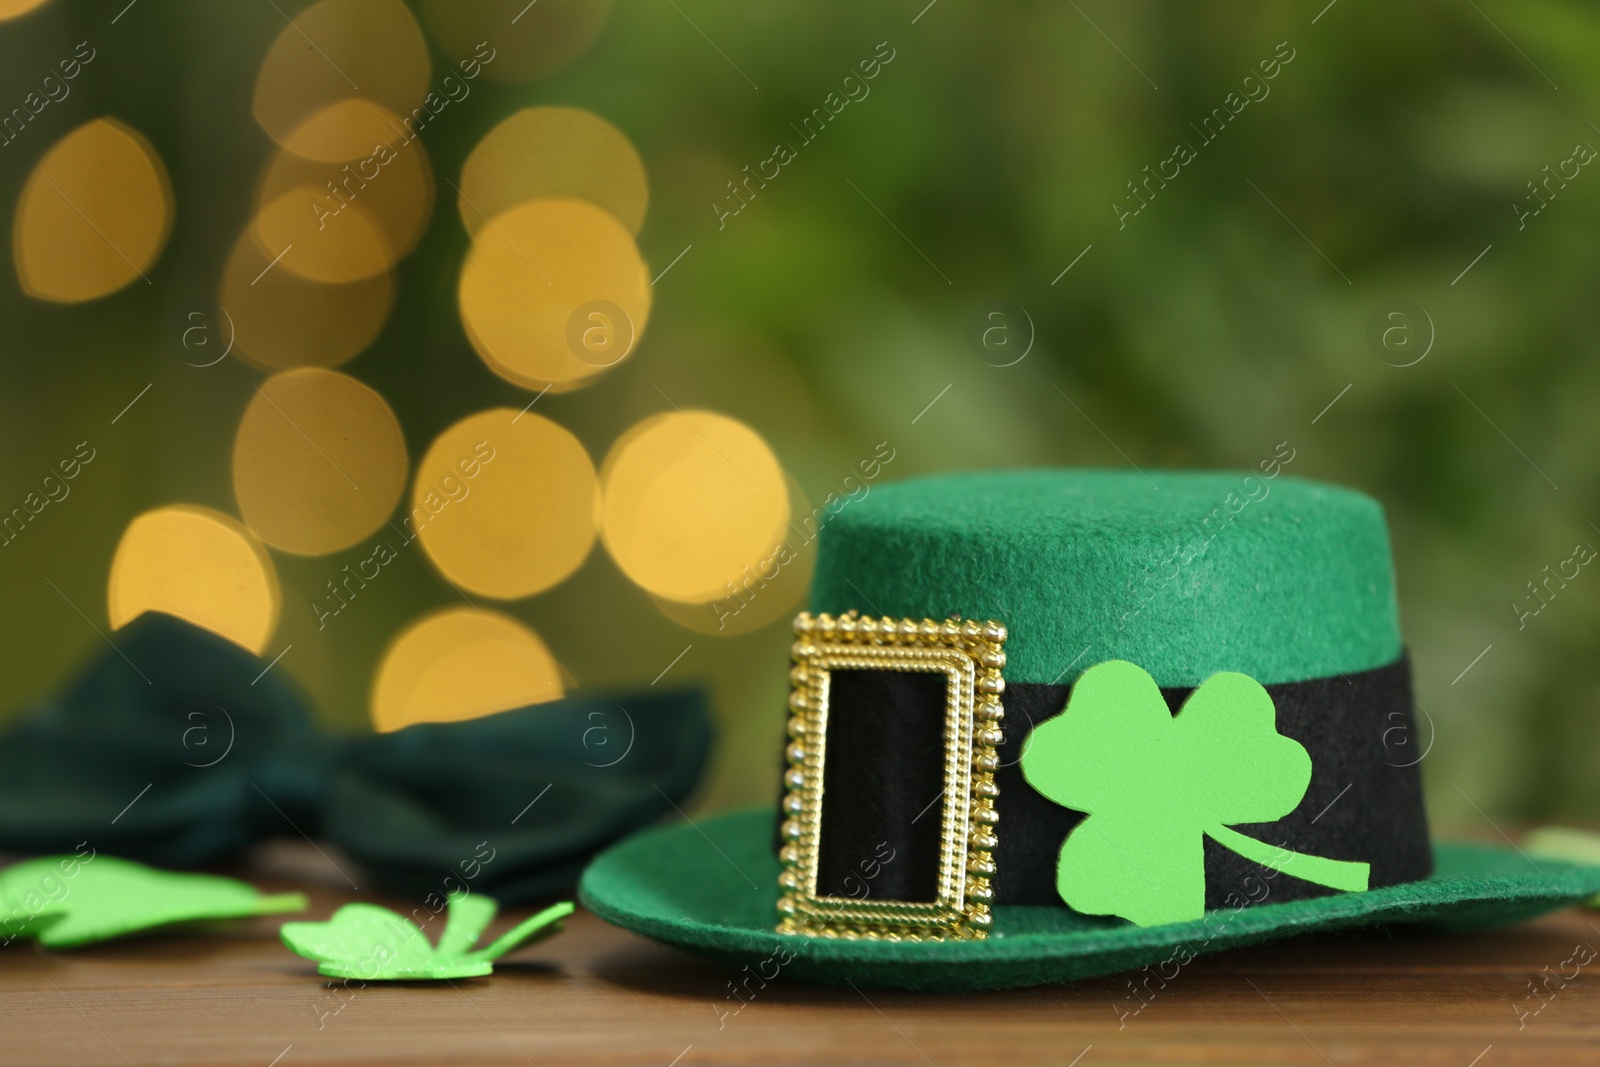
711,888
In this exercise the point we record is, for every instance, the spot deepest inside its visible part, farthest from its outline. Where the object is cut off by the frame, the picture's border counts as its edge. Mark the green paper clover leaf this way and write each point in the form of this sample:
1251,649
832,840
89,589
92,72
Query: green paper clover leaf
374,944
1568,845
1154,785
67,901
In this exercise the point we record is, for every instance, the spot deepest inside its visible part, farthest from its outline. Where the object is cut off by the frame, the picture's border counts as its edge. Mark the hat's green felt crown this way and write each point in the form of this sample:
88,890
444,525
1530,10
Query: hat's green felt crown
1183,573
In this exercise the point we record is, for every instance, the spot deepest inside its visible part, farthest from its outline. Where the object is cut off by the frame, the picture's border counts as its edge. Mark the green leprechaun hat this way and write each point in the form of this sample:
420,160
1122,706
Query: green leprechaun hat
1049,724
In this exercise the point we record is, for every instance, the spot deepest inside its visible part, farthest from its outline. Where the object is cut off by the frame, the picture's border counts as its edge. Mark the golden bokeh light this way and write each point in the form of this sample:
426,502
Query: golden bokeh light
93,216
692,499
344,130
199,565
506,503
461,663
529,40
331,52
329,211
318,463
352,248
553,152
762,594
553,292
10,9
279,320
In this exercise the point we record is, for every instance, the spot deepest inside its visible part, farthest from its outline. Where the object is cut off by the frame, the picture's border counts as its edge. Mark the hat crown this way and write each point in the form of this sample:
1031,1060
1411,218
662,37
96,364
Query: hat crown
1185,573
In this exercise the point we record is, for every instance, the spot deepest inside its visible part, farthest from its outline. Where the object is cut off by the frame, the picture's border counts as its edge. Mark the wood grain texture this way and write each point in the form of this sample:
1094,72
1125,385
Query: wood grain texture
598,995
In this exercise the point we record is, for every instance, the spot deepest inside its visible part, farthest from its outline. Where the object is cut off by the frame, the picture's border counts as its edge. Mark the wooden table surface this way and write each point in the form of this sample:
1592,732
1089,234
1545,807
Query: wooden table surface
596,994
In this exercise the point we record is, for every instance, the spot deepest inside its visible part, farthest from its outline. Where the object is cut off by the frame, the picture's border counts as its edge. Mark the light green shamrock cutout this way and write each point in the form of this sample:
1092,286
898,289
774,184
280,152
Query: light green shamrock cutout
66,901
1153,785
1570,846
374,944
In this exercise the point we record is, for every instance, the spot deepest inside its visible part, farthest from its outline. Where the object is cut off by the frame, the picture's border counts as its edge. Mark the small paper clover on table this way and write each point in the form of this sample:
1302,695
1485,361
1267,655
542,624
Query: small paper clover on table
374,944
1568,845
67,901
1154,785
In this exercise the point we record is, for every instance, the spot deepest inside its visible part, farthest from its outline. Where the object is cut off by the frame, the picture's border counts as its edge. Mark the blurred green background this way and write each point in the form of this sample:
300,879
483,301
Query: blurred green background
1220,320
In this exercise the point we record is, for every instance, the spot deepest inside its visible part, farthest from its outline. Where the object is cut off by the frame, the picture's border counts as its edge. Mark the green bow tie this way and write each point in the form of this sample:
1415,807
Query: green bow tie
211,755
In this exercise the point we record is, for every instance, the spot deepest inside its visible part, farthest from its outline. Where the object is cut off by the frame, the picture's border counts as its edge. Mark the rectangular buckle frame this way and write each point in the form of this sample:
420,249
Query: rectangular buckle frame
970,655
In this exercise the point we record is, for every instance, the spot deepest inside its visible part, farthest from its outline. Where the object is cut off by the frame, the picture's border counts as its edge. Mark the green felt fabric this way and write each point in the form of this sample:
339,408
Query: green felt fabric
178,748
1562,843
690,886
1183,573
67,901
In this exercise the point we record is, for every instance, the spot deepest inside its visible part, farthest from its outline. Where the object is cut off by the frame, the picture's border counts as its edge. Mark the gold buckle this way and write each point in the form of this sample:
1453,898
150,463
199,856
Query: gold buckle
970,655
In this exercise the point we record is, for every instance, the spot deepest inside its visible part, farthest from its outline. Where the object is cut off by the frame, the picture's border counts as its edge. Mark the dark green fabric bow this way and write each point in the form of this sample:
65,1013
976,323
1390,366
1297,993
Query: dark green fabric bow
177,748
